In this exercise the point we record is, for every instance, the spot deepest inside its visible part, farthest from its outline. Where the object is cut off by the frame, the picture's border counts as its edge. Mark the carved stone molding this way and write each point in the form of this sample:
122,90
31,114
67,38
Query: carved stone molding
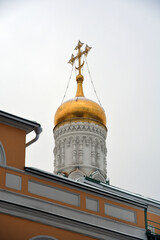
80,127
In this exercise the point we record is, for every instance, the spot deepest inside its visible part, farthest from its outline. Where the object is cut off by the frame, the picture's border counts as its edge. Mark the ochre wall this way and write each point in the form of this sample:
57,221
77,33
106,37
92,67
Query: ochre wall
21,229
102,200
154,220
13,140
26,177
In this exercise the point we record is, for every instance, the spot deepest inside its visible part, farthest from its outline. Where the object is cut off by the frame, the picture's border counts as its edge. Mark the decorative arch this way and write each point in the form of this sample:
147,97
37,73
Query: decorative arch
75,175
98,176
2,155
43,237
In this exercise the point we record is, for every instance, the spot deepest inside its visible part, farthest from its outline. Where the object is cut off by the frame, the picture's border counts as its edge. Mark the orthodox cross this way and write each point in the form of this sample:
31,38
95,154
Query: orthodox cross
79,55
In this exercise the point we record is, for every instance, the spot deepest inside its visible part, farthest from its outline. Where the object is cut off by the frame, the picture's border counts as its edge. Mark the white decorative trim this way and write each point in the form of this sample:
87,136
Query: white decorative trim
80,127
92,204
120,213
54,193
13,181
43,237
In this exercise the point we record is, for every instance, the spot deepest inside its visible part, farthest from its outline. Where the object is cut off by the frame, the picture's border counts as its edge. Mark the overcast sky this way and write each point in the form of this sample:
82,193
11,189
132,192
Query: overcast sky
37,38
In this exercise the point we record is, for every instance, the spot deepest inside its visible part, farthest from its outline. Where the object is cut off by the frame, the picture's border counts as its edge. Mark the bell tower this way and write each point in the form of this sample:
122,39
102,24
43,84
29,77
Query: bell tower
80,132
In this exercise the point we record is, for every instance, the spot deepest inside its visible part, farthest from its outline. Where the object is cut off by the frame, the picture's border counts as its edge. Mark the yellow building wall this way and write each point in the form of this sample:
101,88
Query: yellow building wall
13,140
140,217
21,229
154,220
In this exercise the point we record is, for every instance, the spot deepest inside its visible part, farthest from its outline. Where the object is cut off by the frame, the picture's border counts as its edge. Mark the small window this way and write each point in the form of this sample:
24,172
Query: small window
2,155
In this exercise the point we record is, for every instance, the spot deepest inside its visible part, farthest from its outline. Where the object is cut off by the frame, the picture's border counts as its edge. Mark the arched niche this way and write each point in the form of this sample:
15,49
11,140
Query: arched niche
43,237
75,175
2,155
98,176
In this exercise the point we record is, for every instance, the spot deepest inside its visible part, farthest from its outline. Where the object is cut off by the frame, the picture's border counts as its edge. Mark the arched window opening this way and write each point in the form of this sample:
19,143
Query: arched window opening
2,155
44,237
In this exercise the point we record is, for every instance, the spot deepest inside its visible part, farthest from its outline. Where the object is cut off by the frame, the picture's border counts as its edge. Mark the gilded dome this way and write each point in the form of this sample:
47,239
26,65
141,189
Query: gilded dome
80,108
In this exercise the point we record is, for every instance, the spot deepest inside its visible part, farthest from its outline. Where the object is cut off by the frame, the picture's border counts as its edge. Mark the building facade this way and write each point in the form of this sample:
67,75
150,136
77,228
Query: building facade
38,205
76,202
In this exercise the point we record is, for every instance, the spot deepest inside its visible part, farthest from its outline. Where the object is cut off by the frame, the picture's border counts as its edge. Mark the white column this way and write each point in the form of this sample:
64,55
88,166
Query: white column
80,151
98,155
93,152
74,151
62,153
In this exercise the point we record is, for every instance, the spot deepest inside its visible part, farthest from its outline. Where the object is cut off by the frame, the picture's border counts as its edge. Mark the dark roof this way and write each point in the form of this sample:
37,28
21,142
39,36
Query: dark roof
18,122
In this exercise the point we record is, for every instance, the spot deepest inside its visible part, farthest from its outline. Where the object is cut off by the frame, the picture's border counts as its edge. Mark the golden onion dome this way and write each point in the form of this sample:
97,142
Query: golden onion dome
80,109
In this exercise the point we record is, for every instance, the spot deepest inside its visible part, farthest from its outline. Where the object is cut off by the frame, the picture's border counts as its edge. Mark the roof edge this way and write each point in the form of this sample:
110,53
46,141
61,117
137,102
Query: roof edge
107,190
18,122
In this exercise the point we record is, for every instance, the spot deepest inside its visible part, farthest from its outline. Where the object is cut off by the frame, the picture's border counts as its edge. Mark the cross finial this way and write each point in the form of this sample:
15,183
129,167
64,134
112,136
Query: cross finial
79,55
79,77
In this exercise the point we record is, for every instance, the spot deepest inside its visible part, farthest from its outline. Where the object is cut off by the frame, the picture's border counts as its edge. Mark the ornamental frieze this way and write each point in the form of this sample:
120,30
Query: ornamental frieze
80,127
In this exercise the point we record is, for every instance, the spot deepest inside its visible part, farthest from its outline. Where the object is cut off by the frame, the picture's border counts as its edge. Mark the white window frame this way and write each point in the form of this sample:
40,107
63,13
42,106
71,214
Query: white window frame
43,237
2,155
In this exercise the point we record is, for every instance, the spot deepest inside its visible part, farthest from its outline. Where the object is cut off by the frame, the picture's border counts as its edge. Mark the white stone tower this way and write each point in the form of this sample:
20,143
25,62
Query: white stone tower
80,133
